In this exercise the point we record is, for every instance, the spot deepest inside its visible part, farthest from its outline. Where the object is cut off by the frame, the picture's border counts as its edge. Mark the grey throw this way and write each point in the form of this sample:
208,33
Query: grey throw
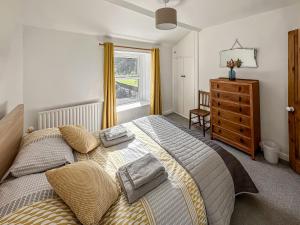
201,161
129,136
144,170
133,194
115,132
218,174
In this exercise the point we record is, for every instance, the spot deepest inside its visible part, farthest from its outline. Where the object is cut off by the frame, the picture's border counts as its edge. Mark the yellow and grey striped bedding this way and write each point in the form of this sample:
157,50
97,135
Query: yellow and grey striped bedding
176,201
23,191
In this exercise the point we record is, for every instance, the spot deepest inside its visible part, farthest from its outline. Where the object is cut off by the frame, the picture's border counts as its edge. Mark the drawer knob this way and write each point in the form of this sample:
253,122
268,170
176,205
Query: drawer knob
240,88
218,95
220,131
219,113
240,99
240,109
219,103
241,130
219,122
241,119
218,86
241,140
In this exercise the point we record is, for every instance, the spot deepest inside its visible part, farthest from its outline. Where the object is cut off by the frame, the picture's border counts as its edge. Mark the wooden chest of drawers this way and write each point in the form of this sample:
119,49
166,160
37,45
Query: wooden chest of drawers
235,113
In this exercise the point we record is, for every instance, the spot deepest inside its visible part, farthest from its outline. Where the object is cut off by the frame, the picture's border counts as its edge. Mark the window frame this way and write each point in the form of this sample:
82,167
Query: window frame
141,75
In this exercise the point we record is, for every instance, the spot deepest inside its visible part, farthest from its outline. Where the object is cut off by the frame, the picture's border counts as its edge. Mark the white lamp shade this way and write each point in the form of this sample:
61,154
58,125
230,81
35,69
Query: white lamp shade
166,18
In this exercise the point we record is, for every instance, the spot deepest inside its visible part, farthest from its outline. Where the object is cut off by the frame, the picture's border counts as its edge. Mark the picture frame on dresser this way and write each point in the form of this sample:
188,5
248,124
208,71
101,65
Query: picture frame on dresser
235,113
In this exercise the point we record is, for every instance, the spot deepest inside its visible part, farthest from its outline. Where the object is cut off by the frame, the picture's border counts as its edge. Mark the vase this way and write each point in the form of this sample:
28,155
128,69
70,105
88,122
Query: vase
231,74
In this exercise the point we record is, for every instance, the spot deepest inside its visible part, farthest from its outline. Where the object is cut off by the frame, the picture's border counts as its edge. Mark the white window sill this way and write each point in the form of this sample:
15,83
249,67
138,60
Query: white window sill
132,105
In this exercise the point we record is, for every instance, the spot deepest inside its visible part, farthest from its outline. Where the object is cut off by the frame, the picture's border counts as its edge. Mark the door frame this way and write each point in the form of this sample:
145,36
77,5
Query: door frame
195,55
293,71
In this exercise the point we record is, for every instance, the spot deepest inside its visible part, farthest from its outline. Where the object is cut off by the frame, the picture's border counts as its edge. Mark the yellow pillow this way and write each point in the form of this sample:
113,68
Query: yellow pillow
86,188
79,138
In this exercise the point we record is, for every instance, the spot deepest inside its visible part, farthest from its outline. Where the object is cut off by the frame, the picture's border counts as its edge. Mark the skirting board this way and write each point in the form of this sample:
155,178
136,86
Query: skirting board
168,112
182,115
284,156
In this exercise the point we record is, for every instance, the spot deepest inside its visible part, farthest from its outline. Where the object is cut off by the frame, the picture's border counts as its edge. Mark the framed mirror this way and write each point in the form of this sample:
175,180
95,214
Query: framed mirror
246,55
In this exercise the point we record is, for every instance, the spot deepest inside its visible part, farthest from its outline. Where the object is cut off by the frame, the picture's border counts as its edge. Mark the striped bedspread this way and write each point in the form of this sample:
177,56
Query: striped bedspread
217,173
201,187
176,201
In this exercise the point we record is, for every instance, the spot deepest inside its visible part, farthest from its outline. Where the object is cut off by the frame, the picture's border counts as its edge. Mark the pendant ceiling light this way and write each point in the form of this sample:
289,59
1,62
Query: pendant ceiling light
166,18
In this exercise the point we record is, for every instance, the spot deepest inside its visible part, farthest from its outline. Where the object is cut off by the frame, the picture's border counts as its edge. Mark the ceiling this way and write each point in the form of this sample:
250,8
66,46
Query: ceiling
133,19
205,13
96,17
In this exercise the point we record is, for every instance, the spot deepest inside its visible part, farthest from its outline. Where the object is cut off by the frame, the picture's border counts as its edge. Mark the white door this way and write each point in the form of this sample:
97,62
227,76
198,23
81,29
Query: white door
189,86
179,86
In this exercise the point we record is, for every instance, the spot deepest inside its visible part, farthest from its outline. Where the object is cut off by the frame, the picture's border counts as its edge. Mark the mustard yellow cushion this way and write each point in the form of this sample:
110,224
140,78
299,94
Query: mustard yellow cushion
86,188
79,138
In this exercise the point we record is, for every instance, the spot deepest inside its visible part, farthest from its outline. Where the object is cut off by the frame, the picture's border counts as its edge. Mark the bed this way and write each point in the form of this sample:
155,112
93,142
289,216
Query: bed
201,188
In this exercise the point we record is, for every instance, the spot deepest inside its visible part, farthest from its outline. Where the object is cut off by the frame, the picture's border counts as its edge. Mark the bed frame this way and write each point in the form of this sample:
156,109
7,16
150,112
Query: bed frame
11,132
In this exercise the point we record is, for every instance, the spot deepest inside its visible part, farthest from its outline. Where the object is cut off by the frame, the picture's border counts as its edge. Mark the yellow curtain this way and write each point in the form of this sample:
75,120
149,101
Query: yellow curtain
109,115
155,97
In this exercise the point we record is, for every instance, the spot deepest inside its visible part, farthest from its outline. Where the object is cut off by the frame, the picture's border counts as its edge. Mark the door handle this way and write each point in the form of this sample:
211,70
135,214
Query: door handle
290,109
183,76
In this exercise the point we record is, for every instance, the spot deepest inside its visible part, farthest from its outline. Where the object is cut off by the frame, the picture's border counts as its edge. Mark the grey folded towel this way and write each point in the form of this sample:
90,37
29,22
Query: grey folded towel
129,136
144,170
115,132
133,194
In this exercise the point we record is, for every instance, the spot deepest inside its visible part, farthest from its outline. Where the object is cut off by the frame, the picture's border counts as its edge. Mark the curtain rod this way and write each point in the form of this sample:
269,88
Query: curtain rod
128,47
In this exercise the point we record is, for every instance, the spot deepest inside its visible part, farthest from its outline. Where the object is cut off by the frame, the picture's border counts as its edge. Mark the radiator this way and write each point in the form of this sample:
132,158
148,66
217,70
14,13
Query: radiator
88,115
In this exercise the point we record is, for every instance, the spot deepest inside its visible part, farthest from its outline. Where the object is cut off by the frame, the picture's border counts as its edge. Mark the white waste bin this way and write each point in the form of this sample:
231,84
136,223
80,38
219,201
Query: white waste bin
271,151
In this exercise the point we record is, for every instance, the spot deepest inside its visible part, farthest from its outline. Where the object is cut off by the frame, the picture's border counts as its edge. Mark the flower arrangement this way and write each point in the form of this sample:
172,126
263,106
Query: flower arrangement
232,64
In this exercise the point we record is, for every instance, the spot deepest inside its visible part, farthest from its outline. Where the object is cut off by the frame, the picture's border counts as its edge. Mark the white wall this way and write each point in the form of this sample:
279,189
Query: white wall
60,69
63,69
10,56
166,78
269,33
133,111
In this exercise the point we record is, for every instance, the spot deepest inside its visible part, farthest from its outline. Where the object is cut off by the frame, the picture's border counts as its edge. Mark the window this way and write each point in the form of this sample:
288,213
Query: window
132,73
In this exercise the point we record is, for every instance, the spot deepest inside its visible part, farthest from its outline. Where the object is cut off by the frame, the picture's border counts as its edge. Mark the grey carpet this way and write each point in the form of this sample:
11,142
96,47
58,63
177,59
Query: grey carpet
278,201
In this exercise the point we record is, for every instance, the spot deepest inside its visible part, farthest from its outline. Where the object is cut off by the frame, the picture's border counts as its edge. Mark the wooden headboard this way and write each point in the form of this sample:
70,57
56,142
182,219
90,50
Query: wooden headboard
11,132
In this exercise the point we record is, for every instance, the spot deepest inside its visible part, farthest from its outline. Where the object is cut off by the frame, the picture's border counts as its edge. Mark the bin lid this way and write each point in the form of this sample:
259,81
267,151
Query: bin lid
270,145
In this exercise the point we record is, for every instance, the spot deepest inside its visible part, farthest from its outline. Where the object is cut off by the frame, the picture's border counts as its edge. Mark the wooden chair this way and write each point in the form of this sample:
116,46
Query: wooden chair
202,112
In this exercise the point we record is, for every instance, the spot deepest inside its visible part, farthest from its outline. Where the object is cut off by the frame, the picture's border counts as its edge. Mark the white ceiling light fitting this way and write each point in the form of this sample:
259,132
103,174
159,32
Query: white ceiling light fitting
166,18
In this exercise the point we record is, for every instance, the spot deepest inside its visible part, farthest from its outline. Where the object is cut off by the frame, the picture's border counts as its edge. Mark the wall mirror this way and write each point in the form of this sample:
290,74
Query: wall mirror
246,55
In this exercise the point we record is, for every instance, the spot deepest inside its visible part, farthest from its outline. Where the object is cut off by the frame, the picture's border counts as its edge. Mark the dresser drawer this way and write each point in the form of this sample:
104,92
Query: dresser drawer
230,87
236,118
244,99
237,139
237,128
233,107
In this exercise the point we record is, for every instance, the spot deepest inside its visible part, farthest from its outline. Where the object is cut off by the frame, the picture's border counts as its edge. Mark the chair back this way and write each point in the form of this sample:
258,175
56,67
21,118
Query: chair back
203,99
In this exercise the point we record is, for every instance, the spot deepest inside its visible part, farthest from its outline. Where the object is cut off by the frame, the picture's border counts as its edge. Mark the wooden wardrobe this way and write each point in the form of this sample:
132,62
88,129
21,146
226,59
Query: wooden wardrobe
235,113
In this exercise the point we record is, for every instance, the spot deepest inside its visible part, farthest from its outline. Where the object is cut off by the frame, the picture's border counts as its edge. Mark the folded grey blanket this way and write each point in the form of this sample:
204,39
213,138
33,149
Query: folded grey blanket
115,132
133,194
129,136
144,170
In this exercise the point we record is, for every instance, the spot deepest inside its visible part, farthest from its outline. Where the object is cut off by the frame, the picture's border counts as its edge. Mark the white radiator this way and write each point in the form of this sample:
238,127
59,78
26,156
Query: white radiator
88,115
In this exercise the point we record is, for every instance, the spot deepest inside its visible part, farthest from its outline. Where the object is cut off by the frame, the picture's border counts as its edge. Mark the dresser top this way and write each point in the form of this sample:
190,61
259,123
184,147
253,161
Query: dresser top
238,81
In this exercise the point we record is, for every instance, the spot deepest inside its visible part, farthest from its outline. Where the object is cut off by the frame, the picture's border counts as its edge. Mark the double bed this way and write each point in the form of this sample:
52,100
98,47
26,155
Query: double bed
201,187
